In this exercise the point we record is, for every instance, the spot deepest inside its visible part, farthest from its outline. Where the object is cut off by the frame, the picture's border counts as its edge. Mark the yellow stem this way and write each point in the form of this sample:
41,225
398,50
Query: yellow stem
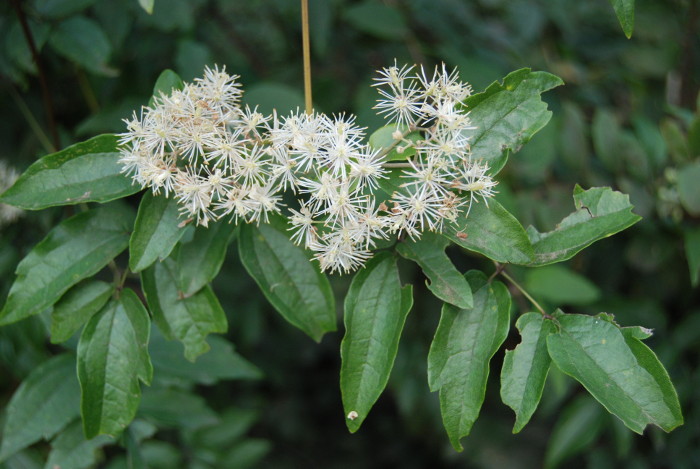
307,54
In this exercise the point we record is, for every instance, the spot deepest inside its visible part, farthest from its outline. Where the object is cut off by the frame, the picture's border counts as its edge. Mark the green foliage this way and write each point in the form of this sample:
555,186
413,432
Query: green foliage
464,343
446,282
375,312
600,212
74,250
510,113
188,318
624,9
493,231
295,287
112,359
618,370
525,368
76,307
84,172
636,130
156,232
45,403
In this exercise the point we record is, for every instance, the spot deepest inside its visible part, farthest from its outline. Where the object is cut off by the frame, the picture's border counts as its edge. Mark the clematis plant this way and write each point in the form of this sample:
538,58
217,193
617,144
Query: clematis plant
306,195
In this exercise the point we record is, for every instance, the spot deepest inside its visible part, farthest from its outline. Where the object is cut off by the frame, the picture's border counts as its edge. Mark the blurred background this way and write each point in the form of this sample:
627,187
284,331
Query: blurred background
626,118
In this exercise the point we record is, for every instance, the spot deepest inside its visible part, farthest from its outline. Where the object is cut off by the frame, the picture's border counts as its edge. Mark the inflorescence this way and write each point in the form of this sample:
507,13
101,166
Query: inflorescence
222,160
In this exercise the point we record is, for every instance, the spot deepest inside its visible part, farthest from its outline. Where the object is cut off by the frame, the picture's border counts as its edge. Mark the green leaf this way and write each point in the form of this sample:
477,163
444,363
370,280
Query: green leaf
76,307
383,138
507,115
445,280
691,237
375,312
648,360
61,8
560,285
688,187
189,319
156,231
85,172
492,231
600,212
42,405
624,9
75,249
629,382
167,82
83,41
200,259
176,408
70,449
578,427
147,5
219,363
289,281
377,19
525,368
112,358
458,361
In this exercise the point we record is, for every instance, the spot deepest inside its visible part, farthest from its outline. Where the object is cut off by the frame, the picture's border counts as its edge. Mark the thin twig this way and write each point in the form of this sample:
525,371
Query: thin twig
524,293
307,55
45,93
31,120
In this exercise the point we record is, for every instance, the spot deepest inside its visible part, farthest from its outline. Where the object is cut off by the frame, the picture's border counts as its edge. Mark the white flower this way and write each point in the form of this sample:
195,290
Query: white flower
220,160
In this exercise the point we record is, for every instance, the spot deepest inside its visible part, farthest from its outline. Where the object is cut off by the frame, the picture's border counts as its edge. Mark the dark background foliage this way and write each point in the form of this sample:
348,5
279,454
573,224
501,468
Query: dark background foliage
627,118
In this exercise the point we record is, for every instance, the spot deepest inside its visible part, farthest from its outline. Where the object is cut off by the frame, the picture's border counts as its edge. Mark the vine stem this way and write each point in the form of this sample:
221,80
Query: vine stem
307,55
500,270
45,93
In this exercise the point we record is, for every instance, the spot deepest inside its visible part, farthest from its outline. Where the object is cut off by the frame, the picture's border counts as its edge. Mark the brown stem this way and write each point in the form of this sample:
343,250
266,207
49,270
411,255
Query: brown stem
307,55
45,93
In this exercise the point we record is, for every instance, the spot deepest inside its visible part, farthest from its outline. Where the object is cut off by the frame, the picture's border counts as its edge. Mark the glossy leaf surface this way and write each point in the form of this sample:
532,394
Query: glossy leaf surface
375,312
85,172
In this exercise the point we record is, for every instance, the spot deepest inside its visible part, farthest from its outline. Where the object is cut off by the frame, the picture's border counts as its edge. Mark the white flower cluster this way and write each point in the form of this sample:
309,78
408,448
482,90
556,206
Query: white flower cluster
219,160
8,213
